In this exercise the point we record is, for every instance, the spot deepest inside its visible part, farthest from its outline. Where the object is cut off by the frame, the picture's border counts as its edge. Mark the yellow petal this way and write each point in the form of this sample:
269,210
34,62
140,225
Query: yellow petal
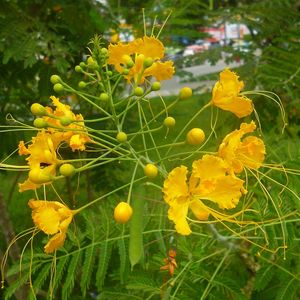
251,152
178,213
150,47
55,242
28,185
226,192
160,70
22,149
50,216
175,186
199,210
209,166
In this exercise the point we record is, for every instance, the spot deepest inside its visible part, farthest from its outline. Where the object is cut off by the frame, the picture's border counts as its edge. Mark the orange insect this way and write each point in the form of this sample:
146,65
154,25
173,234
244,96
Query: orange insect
170,262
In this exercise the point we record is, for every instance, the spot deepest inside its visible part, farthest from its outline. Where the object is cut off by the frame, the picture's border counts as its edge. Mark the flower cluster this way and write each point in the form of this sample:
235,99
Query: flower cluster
58,126
140,59
214,178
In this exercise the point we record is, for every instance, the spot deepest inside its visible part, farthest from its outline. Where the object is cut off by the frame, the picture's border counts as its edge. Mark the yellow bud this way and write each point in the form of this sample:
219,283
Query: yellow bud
122,212
185,93
150,171
195,136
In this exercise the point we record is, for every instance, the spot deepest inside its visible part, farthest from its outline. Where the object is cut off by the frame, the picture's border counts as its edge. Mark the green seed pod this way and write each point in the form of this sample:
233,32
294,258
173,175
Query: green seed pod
136,231
82,64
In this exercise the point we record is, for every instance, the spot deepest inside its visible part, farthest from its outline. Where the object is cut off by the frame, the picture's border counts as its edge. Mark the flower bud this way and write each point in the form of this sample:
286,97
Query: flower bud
121,137
55,79
138,91
104,97
122,212
195,136
78,69
148,62
127,61
155,86
169,122
67,170
150,171
185,93
82,84
40,123
65,121
58,87
38,109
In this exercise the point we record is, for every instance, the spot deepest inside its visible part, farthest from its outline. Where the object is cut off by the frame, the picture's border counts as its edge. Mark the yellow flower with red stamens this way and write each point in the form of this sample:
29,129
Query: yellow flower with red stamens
51,217
239,153
226,95
208,181
140,53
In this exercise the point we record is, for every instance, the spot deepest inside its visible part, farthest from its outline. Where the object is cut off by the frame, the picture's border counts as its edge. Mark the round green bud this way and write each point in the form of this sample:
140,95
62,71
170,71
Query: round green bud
138,91
65,121
67,170
125,71
55,79
82,64
90,61
121,137
78,69
40,123
104,97
103,51
155,86
169,122
38,109
58,87
185,93
82,84
109,73
148,62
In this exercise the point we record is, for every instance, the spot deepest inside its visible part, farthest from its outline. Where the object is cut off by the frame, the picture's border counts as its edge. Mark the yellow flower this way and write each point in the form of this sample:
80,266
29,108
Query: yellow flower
140,51
51,217
42,160
75,133
239,153
225,95
208,181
